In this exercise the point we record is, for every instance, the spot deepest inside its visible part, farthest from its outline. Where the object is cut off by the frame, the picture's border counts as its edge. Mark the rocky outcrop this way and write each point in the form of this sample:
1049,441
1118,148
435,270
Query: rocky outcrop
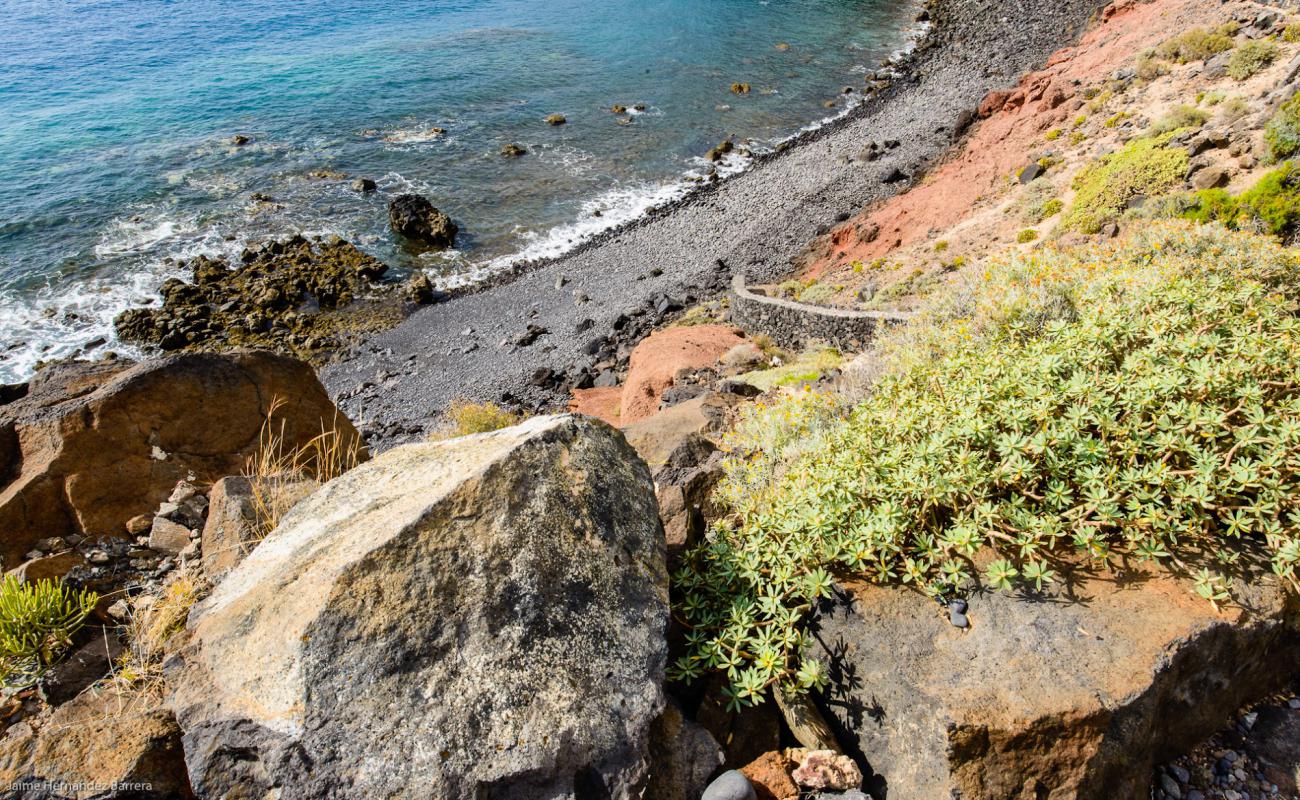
1074,694
481,617
415,218
273,298
658,358
230,529
98,746
96,445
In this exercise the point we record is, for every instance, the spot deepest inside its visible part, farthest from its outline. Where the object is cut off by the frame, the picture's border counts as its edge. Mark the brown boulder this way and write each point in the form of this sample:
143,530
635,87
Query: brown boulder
52,567
1070,695
98,745
230,529
655,438
94,446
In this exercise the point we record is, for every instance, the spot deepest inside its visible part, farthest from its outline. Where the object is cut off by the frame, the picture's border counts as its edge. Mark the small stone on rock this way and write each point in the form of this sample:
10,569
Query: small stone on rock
730,785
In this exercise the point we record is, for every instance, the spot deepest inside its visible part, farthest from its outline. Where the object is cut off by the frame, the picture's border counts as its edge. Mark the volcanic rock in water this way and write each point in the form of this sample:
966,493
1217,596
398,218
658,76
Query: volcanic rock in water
480,617
414,217
272,299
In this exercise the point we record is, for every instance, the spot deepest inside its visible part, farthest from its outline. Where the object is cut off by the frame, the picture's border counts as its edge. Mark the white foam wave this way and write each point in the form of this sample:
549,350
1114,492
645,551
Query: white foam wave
608,210
420,134
138,234
70,318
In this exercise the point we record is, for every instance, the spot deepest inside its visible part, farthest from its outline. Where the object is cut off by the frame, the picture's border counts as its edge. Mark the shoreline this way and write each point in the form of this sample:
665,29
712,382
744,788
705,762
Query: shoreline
524,338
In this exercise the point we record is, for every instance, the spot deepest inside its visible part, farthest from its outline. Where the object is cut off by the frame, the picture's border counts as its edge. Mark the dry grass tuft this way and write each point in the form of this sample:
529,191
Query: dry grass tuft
277,472
155,631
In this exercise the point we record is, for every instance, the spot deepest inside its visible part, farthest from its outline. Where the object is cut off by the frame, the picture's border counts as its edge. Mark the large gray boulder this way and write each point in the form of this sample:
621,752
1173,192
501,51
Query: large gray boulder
481,617
1071,695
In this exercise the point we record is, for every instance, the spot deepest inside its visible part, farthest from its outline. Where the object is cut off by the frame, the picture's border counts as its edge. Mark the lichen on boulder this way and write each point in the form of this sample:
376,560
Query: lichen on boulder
479,617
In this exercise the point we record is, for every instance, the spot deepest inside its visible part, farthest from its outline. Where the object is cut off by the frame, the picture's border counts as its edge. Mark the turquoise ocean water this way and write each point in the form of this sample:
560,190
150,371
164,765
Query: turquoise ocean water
116,118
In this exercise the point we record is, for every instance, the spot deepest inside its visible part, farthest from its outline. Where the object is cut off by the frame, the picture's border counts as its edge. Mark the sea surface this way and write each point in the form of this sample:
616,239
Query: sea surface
117,120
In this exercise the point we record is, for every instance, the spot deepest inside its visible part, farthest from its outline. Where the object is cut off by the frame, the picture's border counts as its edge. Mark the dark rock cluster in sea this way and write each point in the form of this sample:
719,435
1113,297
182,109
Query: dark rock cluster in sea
274,298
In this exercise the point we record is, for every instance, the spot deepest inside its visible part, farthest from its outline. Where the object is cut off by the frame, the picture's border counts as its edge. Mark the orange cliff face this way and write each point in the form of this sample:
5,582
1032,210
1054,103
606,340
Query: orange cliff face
1009,132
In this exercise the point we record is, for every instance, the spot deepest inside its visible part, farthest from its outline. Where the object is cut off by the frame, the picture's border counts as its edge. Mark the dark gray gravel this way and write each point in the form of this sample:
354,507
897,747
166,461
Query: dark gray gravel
396,383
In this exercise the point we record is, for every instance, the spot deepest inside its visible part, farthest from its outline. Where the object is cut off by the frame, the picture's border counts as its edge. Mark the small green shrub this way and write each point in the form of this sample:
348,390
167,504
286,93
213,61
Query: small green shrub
1282,133
471,418
1144,167
1114,120
37,623
1213,98
1079,120
1133,402
1178,118
790,288
1291,33
1052,207
1197,44
1233,109
1149,67
1032,205
941,245
1026,236
1251,58
1100,97
1052,135
818,293
1270,206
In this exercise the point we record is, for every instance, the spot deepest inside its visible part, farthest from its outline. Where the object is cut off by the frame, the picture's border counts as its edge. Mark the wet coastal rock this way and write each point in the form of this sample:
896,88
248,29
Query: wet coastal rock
274,298
416,219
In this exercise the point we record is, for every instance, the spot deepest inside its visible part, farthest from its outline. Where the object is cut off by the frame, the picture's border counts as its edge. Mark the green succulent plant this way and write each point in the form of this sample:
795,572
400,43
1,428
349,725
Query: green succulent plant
1139,400
37,623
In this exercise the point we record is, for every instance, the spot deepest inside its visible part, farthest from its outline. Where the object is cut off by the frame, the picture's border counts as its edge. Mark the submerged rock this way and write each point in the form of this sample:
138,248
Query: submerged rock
556,119
513,151
481,617
415,218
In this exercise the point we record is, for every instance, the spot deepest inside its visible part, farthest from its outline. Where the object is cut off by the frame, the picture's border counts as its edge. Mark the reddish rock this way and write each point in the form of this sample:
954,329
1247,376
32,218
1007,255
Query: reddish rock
91,446
993,102
601,402
660,355
769,774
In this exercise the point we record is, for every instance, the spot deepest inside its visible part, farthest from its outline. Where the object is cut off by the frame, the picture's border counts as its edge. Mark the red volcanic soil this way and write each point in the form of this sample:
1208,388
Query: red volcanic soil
1011,125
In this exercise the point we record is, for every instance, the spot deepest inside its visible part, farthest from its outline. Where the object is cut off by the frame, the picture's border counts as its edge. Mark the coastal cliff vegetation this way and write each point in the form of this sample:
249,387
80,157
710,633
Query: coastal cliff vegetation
1131,401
